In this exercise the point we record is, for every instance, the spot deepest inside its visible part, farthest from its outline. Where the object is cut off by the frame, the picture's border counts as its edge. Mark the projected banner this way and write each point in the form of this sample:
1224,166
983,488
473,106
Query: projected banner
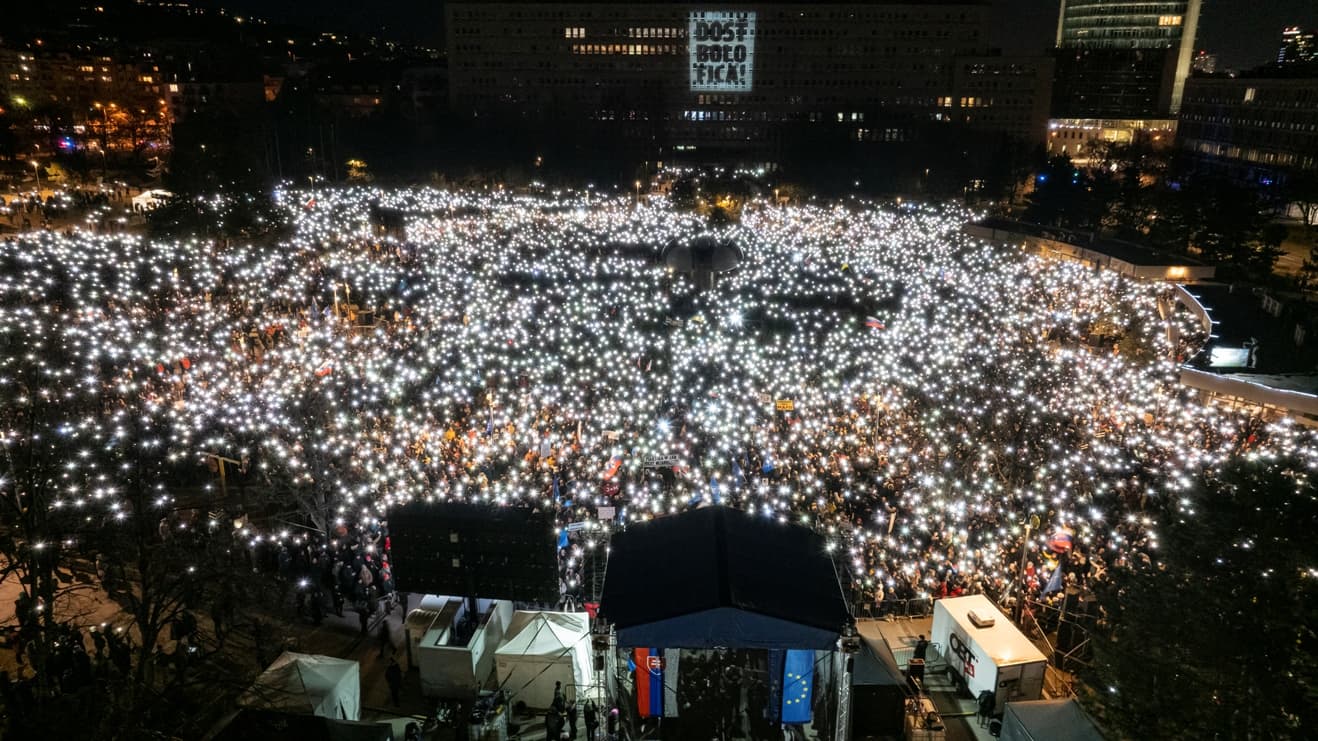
722,50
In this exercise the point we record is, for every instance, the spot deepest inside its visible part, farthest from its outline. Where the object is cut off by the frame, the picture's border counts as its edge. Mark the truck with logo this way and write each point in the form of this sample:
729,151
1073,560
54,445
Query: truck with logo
985,651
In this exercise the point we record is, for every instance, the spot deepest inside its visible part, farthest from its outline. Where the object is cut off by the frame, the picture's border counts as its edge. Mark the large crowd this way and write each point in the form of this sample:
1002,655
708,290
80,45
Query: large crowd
914,394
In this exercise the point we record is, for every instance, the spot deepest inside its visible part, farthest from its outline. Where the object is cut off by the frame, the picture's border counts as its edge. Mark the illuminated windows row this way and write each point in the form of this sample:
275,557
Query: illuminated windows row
574,32
656,33
632,50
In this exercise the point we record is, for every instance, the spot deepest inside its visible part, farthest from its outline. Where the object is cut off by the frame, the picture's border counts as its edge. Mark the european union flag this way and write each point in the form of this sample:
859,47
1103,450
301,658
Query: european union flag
798,685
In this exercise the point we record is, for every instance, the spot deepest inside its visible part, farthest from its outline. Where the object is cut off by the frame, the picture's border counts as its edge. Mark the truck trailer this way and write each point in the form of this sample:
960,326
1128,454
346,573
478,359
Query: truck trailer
981,647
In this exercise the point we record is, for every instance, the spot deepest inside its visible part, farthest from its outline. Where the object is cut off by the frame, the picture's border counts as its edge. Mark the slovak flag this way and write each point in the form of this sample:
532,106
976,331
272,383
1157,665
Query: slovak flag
611,469
656,681
873,322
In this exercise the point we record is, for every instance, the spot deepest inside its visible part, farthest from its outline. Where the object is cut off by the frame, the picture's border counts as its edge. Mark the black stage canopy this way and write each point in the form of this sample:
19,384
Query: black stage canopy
719,577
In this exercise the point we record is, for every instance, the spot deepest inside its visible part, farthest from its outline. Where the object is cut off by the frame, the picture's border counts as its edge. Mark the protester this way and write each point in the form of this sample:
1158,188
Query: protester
869,371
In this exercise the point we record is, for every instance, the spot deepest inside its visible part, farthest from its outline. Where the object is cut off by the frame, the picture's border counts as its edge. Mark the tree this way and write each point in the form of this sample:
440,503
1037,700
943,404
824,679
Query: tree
1066,196
1216,636
52,487
1302,193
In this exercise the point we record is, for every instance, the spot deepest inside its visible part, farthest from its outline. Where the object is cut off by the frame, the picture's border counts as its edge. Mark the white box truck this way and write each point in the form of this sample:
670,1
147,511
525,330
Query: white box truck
981,646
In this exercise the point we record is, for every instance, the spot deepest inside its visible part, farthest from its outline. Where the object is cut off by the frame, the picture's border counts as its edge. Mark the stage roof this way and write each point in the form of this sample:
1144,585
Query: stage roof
719,577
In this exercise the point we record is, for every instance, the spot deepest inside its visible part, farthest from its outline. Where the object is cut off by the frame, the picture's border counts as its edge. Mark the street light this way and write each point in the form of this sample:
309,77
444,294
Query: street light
36,170
638,191
1031,524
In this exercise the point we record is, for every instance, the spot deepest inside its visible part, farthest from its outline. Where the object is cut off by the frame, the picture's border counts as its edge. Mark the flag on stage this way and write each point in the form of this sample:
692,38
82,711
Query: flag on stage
648,664
798,678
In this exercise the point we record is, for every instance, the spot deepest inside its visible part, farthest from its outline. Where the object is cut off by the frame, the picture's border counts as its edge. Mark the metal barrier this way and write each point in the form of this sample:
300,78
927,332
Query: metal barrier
919,607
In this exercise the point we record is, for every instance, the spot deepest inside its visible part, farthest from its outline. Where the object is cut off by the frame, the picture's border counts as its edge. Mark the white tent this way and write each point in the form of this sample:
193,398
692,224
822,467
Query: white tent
543,648
303,683
149,199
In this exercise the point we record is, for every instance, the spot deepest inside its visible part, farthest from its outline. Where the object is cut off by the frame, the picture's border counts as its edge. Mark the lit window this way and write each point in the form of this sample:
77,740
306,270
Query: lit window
574,33
1249,94
1169,20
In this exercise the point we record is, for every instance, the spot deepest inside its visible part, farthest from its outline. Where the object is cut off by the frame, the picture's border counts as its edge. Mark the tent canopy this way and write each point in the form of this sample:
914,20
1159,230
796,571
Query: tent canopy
542,648
1048,720
149,198
307,684
717,577
251,724
873,670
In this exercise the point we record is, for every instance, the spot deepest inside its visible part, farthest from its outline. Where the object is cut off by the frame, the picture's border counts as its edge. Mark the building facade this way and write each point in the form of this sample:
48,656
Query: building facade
1254,130
1204,63
1123,59
745,81
86,96
1298,46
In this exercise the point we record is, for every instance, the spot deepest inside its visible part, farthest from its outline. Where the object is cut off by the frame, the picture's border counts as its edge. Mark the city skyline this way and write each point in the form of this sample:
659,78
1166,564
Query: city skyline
1241,33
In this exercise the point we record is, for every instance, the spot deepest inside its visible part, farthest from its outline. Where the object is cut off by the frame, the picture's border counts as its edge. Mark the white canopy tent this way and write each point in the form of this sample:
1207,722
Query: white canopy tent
307,684
149,199
543,648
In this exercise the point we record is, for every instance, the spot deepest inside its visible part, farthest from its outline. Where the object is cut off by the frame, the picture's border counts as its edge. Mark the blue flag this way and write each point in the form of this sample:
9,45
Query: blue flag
489,425
1054,582
713,490
768,463
562,538
798,685
738,477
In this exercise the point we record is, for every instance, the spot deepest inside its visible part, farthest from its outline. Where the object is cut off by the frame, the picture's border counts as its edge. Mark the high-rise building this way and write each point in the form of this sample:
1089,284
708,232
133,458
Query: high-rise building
1260,128
870,83
1123,58
1298,46
1204,63
1121,70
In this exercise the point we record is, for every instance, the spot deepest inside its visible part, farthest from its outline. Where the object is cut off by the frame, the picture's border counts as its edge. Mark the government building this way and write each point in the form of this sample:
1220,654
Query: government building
869,87
1121,72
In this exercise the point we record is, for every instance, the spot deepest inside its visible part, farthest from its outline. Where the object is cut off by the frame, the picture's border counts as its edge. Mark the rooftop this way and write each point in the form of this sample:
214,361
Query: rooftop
1130,252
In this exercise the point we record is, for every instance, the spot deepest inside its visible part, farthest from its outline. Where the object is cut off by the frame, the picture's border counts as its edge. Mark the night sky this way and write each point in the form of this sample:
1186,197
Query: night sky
1244,33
